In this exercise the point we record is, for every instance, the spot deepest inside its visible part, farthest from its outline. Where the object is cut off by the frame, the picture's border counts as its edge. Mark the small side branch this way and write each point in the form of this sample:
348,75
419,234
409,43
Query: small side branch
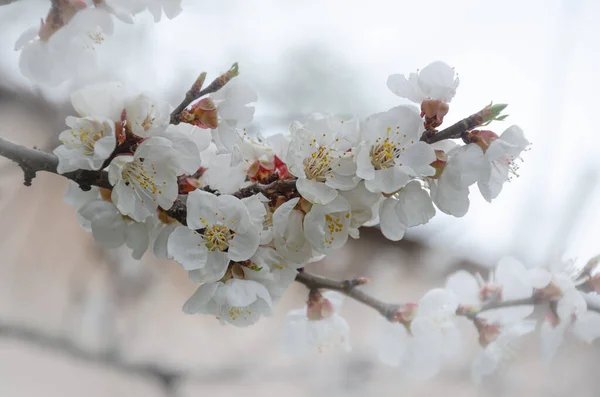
349,288
32,161
196,91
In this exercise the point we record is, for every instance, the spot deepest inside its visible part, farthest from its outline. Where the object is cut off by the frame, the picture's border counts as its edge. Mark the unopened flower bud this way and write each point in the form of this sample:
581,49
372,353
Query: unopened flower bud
202,114
434,111
492,112
550,292
406,314
483,138
318,308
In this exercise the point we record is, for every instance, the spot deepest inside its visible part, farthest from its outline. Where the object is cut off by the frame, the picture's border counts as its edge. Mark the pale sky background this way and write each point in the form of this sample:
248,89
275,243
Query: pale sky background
540,57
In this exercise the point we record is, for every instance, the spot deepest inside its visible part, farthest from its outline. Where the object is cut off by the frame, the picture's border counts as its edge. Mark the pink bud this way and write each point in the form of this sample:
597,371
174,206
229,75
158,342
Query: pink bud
483,138
202,114
434,111
318,308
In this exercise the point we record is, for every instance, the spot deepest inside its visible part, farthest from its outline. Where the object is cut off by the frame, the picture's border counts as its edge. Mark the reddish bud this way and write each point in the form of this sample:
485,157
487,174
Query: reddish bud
434,111
550,292
318,308
203,114
483,138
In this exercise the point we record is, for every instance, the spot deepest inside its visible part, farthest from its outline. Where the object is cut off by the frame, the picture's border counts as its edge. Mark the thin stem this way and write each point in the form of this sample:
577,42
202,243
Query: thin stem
349,288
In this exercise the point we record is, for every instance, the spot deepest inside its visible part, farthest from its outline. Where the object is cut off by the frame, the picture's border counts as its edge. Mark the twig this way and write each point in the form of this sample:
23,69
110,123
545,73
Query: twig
32,161
391,310
196,92
454,131
459,130
348,287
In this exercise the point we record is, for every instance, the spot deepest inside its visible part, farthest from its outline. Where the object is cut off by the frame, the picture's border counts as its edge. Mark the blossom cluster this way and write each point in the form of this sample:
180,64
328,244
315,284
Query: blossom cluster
244,214
63,46
424,335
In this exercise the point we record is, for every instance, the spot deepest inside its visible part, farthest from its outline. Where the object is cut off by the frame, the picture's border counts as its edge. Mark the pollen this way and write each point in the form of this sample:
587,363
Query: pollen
218,237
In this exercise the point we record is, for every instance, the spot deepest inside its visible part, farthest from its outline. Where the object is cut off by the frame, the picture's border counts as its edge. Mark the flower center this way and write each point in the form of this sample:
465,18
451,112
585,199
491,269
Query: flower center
135,172
318,165
386,151
88,140
217,237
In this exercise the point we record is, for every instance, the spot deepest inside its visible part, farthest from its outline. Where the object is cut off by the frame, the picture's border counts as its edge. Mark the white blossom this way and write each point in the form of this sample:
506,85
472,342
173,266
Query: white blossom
218,231
431,337
490,168
236,301
52,57
146,117
500,350
410,206
391,153
232,107
326,227
86,145
112,229
320,160
288,233
435,81
148,179
302,335
108,226
362,207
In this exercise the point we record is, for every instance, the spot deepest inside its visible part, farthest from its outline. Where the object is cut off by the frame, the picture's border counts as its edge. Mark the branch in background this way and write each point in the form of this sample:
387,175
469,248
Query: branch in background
196,91
168,378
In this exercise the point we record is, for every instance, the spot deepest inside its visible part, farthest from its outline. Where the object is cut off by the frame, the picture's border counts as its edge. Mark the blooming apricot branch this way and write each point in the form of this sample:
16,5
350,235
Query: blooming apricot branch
244,214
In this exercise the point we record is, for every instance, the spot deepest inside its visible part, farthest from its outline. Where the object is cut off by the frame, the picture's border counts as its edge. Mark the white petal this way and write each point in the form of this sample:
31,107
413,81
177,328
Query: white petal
244,245
392,225
187,248
138,239
201,208
465,286
416,205
392,342
388,180
419,157
315,192
200,298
